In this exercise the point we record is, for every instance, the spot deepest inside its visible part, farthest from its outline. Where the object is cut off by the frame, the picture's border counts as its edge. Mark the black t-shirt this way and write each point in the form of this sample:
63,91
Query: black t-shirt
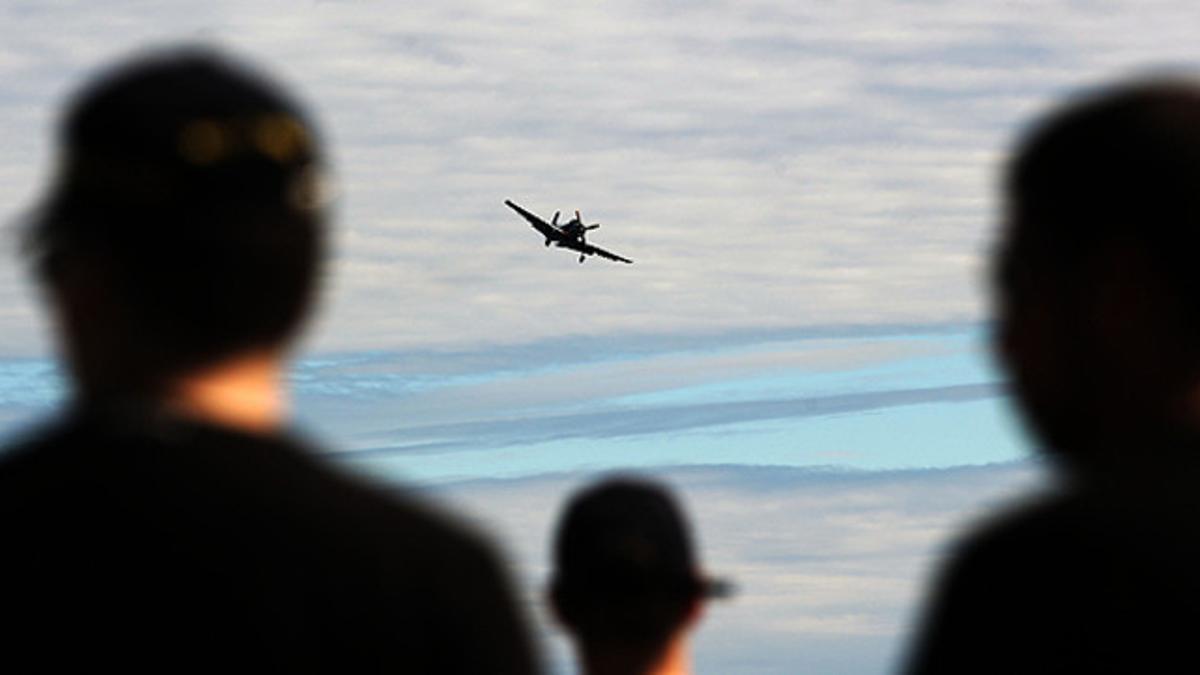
154,543
1101,578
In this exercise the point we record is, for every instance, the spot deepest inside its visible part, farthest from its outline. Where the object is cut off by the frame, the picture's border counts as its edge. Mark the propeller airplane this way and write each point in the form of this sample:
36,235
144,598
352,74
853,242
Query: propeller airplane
571,235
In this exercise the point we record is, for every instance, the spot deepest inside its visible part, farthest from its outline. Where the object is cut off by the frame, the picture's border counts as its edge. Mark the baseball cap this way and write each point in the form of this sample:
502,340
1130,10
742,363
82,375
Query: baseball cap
183,145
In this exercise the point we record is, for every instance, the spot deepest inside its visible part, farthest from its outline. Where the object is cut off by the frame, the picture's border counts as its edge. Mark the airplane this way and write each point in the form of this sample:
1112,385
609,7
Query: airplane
571,235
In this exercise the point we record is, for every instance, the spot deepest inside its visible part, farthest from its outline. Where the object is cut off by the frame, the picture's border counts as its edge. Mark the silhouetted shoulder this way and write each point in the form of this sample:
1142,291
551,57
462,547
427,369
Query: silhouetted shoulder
1096,579
225,543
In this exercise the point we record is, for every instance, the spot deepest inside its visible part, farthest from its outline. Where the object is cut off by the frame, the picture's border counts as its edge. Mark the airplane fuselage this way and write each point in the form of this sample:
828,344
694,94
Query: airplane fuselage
574,230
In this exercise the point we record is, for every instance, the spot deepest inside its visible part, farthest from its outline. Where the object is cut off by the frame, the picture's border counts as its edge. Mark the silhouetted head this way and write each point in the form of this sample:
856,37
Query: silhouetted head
1096,276
184,225
626,579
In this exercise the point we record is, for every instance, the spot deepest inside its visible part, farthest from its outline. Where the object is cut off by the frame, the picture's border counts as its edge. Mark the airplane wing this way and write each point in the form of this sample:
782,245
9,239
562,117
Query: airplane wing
549,231
589,250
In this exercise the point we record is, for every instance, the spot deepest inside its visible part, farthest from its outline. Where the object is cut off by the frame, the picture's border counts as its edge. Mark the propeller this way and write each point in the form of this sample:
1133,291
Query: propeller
584,229
579,219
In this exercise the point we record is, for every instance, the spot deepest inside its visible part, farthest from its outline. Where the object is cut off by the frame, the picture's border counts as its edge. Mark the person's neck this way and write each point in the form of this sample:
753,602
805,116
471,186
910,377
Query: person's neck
674,660
244,392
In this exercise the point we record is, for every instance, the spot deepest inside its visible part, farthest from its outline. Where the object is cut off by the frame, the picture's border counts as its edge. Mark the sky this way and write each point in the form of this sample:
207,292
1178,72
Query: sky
802,345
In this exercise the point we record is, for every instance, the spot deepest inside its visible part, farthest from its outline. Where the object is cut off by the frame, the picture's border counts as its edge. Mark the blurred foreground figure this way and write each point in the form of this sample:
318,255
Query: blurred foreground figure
1099,327
626,585
167,522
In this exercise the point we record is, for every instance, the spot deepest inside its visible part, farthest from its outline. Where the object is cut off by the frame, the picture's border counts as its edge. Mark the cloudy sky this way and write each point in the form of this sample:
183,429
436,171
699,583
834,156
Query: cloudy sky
807,189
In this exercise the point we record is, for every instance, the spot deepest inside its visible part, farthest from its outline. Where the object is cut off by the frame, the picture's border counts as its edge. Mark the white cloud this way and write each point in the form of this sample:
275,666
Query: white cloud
767,164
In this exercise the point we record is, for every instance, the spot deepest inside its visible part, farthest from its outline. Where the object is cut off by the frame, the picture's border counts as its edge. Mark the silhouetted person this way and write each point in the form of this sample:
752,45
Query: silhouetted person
626,582
167,521
1098,291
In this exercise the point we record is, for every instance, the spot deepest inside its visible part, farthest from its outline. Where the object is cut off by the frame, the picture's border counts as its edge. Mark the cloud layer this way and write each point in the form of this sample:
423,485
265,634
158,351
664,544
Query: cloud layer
767,164
877,397
657,420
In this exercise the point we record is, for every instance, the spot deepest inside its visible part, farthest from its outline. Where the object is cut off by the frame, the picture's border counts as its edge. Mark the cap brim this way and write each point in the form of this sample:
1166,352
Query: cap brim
717,588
